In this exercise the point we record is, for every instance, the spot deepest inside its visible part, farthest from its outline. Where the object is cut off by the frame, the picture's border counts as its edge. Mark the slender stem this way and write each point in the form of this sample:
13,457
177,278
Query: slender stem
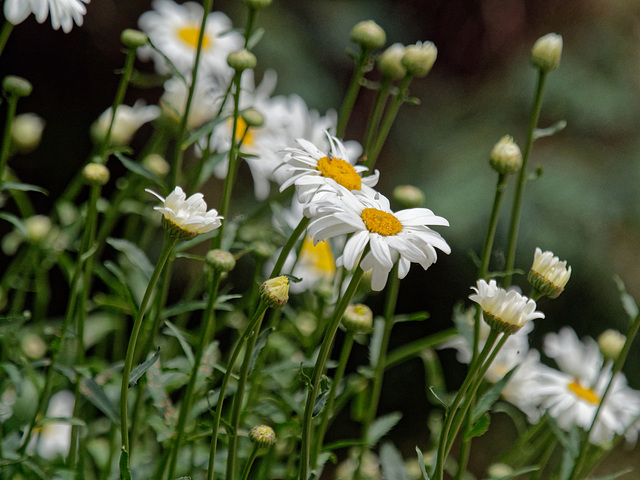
617,366
182,128
352,92
130,357
376,116
7,28
257,317
387,122
413,349
12,103
522,179
249,464
206,336
295,235
236,405
318,370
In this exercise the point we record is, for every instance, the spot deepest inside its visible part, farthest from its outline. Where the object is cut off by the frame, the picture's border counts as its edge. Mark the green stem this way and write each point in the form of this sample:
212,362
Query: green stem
352,92
206,335
522,179
257,317
7,28
387,122
249,464
12,103
410,350
177,155
617,366
376,115
130,357
295,235
318,370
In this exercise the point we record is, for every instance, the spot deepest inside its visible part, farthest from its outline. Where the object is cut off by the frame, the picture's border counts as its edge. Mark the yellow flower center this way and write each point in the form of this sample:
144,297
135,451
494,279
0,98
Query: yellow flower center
340,171
585,393
241,132
380,222
189,34
319,256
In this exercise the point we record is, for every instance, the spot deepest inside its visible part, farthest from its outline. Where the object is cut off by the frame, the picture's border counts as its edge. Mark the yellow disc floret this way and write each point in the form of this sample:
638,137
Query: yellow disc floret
340,171
381,222
585,393
189,35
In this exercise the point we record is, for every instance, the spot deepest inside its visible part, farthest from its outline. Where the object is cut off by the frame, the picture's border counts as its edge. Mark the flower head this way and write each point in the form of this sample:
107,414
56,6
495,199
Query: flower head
26,132
401,237
505,156
548,275
504,311
547,51
128,121
186,217
611,342
368,34
63,12
419,58
358,318
275,291
262,435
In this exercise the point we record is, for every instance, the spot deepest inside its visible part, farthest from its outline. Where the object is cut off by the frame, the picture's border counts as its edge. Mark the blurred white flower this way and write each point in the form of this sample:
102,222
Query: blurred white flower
63,12
54,438
204,104
128,121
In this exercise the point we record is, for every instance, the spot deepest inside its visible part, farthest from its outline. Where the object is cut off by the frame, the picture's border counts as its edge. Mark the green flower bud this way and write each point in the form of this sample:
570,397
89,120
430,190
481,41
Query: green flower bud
408,196
133,38
390,62
275,291
17,86
506,157
156,164
419,58
263,436
220,260
26,132
547,51
252,117
242,60
257,4
611,343
37,227
368,34
358,318
95,174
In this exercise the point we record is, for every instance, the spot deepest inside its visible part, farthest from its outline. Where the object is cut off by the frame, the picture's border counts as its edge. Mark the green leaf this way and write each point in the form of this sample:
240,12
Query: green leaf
15,221
491,395
209,166
94,393
175,331
204,131
392,462
138,169
142,368
133,253
517,473
381,426
613,475
628,303
125,474
411,317
479,428
376,342
261,342
255,38
71,421
23,187
549,131
437,397
423,469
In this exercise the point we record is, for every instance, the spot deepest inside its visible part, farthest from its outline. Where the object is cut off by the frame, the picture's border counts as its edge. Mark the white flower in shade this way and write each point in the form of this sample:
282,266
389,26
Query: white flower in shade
572,394
64,13
401,237
128,121
310,168
204,104
54,438
504,311
548,275
187,217
174,30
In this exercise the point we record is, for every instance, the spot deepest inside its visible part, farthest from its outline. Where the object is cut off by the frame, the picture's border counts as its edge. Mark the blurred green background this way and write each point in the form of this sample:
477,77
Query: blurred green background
585,207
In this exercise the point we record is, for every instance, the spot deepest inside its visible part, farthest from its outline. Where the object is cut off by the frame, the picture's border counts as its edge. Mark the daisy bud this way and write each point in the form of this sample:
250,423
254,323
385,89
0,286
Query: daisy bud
546,52
252,117
37,227
506,157
611,343
257,4
275,291
498,470
263,436
358,318
95,174
17,86
220,260
419,58
548,275
368,34
390,62
133,38
156,164
33,346
242,60
408,196
26,132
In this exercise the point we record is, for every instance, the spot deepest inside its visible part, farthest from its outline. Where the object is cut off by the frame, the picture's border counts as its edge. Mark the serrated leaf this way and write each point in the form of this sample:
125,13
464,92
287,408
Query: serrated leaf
549,131
392,462
140,370
94,393
479,428
138,169
491,395
133,253
381,426
23,187
423,469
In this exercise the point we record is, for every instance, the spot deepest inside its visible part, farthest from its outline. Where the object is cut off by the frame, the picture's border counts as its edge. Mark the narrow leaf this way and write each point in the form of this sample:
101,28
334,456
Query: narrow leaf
125,474
94,393
628,303
381,426
142,368
613,475
23,187
261,342
255,38
411,317
133,253
423,469
15,221
491,395
549,131
392,462
175,331
138,169
517,473
479,428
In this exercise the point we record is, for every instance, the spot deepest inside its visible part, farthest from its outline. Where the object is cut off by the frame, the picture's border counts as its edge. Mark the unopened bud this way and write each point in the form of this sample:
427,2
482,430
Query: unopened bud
390,62
17,86
368,34
133,38
95,174
611,343
220,260
419,58
506,157
358,318
26,132
252,117
257,4
242,60
263,436
275,291
156,164
547,51
408,196
37,227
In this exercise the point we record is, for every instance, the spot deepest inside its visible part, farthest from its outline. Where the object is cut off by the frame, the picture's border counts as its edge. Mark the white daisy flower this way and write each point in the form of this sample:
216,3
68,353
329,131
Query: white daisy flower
187,217
504,311
64,13
572,394
309,169
128,121
174,29
548,275
393,237
54,438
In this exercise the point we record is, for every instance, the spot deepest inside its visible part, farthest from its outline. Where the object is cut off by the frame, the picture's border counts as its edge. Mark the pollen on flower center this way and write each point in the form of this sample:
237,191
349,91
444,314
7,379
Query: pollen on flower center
340,171
585,393
380,222
189,34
